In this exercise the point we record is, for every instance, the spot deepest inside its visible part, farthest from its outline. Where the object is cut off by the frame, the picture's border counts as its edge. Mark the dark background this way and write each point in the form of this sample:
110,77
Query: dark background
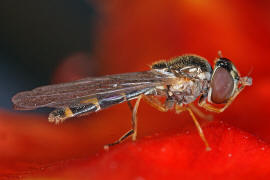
35,37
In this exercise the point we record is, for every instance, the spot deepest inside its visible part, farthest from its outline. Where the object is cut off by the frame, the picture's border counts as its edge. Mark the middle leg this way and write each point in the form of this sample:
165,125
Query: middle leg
180,109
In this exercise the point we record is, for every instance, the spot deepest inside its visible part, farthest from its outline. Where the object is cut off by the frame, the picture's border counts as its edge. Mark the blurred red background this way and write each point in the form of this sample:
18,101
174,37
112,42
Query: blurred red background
130,36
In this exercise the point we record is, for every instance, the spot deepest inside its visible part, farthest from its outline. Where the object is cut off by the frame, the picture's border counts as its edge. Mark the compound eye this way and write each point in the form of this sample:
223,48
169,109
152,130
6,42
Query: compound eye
222,86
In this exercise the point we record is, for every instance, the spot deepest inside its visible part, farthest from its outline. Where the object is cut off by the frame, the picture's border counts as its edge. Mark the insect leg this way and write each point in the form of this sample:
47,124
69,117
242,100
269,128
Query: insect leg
154,102
180,109
130,105
133,131
203,103
126,135
201,114
134,117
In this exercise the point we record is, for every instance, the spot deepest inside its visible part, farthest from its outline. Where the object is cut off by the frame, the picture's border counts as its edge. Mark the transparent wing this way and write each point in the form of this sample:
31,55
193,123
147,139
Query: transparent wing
72,93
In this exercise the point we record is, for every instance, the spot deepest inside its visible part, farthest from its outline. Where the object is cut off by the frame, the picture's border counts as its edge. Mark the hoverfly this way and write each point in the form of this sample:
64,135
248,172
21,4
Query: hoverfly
181,81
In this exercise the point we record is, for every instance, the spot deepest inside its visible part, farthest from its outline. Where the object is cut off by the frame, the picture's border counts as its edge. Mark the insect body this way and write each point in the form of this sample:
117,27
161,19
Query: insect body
181,81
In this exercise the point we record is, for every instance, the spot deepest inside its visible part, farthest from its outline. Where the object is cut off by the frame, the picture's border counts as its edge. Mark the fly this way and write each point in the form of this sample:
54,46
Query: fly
181,81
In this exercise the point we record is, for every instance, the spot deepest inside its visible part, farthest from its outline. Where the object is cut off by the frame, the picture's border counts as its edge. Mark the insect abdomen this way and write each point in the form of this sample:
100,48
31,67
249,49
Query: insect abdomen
90,105
61,114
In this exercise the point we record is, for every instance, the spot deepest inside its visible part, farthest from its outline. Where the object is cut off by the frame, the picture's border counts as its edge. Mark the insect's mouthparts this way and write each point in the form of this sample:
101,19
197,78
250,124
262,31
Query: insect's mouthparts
246,81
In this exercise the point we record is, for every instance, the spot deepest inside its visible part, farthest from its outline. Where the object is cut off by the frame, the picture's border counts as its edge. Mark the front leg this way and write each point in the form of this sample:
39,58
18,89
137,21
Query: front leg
203,103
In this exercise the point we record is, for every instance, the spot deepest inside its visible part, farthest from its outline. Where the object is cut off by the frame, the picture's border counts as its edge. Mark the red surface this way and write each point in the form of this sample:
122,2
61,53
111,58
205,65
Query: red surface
131,36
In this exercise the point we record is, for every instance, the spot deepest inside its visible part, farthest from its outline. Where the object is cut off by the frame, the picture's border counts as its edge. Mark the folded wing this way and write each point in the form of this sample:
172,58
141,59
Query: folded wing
106,87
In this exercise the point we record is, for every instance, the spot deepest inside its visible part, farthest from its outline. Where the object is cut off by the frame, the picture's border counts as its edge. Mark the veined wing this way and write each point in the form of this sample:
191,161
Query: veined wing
72,93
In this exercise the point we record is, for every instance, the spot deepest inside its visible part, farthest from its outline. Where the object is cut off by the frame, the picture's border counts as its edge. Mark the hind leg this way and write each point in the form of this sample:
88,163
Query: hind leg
132,132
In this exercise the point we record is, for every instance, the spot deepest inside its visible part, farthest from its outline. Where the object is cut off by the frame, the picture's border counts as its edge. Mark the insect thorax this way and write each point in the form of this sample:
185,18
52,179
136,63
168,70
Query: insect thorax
193,74
182,62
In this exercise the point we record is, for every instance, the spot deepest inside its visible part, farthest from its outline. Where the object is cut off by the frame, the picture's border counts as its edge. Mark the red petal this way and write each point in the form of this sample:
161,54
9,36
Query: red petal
235,155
